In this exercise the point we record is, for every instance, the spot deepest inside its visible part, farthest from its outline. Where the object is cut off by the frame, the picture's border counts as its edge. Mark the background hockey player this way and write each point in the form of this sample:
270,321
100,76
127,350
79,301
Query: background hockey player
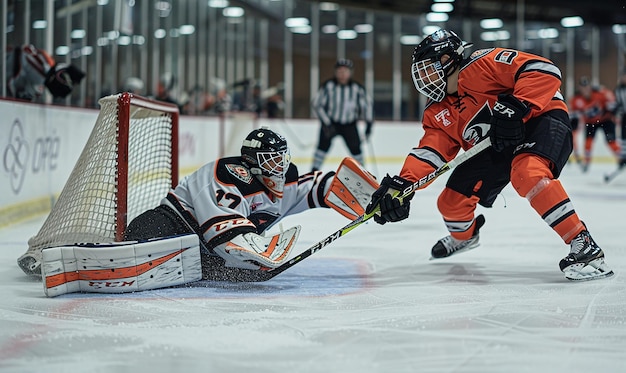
30,70
228,203
512,97
339,104
594,107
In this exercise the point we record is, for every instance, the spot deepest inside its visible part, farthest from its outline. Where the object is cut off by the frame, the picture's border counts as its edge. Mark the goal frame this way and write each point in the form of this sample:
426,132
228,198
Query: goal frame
124,102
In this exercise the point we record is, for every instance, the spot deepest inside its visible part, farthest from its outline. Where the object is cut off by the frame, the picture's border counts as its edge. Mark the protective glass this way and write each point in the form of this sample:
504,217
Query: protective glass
429,79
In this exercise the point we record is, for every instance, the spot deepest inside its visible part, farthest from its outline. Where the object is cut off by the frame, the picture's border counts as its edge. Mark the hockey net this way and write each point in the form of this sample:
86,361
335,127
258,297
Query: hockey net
127,166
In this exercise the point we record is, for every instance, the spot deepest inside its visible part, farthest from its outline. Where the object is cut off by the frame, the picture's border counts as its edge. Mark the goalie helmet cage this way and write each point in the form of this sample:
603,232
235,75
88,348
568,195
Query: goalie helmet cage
128,164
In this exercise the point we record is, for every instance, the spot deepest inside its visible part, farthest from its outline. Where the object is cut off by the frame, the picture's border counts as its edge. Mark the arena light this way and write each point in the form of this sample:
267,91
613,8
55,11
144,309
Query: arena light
160,33
410,39
618,29
296,22
574,21
124,40
363,28
233,12
437,17
346,34
86,50
329,7
548,33
62,50
218,4
443,1
40,24
442,7
78,34
495,35
491,23
139,40
187,29
330,29
102,2
306,29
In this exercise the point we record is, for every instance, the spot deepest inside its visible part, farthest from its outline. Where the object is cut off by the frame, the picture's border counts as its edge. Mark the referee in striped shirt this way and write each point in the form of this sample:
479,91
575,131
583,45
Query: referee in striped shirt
339,104
620,95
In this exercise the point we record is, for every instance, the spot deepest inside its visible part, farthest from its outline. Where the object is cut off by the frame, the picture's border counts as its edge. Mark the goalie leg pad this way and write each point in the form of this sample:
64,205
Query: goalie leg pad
252,251
121,267
351,189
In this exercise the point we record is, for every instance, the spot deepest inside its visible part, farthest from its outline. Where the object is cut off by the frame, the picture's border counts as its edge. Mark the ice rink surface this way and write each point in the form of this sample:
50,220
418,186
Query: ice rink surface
371,301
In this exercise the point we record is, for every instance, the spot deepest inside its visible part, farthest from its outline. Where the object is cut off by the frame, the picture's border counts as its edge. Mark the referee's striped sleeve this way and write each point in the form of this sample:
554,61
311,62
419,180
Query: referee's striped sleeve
319,103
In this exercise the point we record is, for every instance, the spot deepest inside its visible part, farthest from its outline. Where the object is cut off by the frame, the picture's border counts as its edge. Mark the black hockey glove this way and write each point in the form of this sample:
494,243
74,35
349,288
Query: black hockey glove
507,126
391,209
61,78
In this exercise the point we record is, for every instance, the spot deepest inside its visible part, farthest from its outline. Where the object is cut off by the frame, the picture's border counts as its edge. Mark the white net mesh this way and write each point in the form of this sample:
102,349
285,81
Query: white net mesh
92,206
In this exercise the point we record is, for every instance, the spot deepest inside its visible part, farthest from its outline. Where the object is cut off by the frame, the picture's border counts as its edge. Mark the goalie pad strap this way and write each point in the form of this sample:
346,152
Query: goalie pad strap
121,267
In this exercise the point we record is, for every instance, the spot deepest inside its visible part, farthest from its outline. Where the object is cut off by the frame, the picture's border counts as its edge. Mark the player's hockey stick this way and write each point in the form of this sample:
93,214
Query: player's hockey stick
612,175
259,276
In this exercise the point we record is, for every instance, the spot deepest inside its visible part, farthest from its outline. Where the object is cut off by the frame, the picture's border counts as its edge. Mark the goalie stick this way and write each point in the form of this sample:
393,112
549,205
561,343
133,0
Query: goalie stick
259,276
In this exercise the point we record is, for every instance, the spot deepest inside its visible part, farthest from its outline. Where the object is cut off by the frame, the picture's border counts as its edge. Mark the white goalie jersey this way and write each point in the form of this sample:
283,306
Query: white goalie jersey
223,199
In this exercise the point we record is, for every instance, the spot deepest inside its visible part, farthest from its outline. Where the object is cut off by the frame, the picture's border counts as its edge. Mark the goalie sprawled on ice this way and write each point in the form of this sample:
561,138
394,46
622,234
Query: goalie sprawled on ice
211,225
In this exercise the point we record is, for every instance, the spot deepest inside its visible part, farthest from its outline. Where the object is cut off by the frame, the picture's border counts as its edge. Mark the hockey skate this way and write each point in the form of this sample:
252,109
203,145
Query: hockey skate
449,245
30,262
585,260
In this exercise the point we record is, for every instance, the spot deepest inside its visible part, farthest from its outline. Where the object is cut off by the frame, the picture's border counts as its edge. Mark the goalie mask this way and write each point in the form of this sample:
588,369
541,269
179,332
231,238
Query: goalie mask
267,156
429,74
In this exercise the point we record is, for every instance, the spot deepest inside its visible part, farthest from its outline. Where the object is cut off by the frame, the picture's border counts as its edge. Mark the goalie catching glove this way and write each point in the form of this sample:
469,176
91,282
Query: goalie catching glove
252,251
507,124
391,209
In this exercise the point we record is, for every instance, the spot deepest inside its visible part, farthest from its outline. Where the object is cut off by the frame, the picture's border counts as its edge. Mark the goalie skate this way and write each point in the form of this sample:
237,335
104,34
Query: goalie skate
30,262
585,260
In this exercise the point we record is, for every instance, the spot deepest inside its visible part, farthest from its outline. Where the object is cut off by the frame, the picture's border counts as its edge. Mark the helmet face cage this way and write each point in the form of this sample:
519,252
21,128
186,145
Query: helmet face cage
267,156
428,73
274,163
429,79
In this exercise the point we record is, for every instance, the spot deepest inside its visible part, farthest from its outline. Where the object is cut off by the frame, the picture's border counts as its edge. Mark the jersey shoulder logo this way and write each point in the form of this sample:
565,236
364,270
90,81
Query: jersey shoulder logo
239,172
506,56
479,53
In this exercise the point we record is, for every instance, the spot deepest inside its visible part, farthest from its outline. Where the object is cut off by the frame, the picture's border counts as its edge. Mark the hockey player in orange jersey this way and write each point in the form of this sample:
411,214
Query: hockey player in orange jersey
594,107
512,97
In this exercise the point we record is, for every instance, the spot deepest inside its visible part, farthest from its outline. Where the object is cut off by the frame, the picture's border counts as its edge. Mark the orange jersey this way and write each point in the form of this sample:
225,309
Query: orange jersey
461,120
596,108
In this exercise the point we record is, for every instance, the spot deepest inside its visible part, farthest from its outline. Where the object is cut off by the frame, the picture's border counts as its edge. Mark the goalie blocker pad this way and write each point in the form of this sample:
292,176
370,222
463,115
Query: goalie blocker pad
121,267
351,189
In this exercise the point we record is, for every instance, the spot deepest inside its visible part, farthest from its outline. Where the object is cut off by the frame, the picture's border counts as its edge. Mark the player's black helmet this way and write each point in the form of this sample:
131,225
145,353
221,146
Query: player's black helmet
266,154
429,74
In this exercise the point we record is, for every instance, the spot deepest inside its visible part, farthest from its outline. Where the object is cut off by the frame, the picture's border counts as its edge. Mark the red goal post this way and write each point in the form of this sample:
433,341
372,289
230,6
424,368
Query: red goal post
128,164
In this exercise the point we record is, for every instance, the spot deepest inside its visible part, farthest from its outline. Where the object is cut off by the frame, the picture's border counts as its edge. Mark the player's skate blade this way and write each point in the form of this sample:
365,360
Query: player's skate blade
449,245
596,269
440,250
585,260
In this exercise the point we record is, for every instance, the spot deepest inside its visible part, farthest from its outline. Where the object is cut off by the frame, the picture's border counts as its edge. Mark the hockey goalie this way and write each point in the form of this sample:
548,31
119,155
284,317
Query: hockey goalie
211,226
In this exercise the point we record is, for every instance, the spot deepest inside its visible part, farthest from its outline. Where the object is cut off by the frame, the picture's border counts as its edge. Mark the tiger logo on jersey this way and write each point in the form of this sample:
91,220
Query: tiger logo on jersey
239,172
